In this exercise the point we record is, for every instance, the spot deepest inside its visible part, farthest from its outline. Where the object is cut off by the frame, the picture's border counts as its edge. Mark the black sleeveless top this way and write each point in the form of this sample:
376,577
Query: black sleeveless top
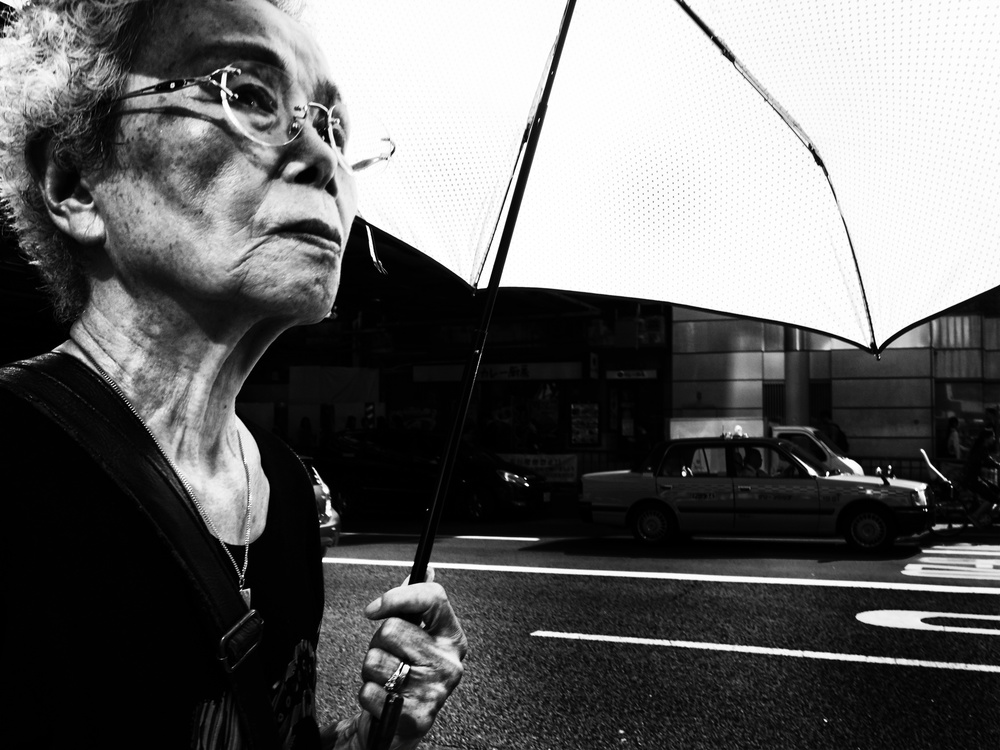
101,643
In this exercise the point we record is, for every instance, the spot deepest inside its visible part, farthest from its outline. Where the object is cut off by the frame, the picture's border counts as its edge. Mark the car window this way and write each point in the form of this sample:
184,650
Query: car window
811,465
784,467
677,460
709,461
653,459
806,443
767,461
694,460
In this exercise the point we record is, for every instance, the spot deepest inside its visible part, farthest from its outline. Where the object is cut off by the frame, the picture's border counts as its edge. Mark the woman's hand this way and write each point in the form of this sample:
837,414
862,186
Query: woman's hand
434,649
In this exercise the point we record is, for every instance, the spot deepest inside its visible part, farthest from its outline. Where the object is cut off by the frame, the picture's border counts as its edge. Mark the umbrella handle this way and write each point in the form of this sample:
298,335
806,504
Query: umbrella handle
383,729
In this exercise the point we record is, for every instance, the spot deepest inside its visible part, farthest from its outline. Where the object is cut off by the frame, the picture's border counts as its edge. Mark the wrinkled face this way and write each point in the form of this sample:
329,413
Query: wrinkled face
202,218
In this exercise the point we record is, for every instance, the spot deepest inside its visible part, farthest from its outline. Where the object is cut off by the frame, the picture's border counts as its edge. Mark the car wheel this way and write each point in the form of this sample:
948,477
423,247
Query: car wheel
869,529
652,523
478,505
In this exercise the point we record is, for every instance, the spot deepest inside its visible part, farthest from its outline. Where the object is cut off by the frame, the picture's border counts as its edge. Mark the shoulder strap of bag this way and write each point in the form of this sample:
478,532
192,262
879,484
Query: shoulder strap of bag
90,412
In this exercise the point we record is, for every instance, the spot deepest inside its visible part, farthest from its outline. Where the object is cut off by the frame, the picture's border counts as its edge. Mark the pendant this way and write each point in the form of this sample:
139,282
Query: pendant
245,593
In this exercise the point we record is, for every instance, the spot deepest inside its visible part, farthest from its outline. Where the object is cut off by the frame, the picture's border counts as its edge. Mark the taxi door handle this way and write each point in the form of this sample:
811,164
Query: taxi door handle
743,487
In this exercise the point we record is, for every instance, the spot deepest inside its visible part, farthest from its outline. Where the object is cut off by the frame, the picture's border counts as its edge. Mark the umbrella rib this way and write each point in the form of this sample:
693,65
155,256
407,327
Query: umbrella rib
800,133
506,195
873,347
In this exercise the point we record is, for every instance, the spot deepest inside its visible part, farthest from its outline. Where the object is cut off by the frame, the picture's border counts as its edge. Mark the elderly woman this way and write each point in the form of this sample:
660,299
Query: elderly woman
175,169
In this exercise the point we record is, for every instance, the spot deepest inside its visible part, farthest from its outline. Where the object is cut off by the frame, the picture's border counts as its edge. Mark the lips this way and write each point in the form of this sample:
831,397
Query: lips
312,228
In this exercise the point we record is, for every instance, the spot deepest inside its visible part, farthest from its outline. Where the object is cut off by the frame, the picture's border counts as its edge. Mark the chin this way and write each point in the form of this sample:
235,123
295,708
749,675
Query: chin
312,308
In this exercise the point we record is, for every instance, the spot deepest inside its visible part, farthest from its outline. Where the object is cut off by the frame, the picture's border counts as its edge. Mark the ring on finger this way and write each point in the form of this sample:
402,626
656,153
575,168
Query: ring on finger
397,680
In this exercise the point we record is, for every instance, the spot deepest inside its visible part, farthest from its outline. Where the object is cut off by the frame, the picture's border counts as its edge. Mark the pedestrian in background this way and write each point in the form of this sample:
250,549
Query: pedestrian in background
979,469
955,448
832,430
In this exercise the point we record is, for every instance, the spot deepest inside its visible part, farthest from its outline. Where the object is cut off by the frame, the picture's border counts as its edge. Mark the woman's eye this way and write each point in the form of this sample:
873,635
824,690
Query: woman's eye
254,96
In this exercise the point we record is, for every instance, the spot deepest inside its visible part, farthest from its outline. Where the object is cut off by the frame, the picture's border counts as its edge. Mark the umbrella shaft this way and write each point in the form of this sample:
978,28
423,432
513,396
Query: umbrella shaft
422,557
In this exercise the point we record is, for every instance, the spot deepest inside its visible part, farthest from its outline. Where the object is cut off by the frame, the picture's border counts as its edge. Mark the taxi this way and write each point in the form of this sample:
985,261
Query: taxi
752,486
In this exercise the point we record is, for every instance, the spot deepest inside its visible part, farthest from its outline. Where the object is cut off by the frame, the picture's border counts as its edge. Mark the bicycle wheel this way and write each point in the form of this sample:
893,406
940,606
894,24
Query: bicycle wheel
950,505
950,516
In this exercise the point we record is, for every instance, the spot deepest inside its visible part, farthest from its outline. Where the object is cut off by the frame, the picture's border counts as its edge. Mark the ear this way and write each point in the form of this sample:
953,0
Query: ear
68,198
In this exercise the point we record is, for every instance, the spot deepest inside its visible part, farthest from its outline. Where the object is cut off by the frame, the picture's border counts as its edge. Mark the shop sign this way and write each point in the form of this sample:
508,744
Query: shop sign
631,374
507,371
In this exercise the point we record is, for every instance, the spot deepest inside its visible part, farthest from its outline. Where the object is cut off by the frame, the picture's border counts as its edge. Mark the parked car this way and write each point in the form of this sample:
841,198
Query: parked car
396,471
751,486
329,515
819,445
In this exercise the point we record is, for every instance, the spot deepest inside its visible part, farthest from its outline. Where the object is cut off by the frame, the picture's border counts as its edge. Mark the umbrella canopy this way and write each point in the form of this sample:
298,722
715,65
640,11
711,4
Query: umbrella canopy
835,170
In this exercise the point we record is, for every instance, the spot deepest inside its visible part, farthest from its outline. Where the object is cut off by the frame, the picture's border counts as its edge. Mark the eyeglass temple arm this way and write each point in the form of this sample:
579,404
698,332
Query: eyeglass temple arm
384,156
175,84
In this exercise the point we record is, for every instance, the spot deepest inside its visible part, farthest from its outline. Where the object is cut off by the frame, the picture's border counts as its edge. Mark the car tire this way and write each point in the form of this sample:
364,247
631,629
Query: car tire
478,505
869,529
653,523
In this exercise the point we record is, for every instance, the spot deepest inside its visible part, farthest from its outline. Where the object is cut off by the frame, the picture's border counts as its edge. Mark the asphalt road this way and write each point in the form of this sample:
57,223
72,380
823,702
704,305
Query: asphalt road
582,639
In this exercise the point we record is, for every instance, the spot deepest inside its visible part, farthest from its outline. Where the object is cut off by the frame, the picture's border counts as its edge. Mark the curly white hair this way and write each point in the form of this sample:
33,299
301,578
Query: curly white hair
63,62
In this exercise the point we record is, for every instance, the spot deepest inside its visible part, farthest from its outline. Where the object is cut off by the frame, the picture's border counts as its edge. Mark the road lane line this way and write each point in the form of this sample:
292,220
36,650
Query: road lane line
818,582
905,619
760,650
501,538
445,536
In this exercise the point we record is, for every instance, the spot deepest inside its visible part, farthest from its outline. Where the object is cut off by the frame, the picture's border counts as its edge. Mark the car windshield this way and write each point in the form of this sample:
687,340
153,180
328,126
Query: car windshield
828,442
813,466
650,460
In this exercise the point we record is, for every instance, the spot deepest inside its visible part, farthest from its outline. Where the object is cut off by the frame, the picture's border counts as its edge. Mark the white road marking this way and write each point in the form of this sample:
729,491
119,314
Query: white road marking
823,655
967,563
475,538
912,620
980,550
501,538
818,582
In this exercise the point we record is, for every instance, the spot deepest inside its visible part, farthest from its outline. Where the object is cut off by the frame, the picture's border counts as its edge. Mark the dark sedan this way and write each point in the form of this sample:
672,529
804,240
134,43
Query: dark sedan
396,471
328,508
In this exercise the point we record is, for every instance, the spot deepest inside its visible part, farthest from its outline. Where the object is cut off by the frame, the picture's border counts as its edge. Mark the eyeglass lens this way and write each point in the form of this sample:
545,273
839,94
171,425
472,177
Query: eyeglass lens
264,103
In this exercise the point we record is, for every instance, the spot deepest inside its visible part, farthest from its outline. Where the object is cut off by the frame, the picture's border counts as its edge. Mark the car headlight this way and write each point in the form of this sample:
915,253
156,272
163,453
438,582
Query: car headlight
515,479
919,498
319,482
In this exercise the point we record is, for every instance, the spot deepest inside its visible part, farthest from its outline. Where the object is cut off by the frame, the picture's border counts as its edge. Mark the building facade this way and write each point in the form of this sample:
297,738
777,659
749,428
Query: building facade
594,384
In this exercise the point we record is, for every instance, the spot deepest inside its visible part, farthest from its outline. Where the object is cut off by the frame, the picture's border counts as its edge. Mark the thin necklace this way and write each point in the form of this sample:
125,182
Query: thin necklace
241,573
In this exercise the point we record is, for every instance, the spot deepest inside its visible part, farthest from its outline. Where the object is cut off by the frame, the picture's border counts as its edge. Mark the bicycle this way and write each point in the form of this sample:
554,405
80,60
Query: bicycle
951,505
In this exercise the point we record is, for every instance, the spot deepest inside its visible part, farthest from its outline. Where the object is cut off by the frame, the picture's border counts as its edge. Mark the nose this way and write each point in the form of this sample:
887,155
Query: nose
312,161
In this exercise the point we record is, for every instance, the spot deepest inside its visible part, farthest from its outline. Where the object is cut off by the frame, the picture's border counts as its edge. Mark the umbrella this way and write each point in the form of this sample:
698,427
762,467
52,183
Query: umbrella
829,165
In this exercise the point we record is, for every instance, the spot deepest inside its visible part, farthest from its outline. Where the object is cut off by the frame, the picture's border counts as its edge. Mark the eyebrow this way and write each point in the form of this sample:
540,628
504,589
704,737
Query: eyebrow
228,51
